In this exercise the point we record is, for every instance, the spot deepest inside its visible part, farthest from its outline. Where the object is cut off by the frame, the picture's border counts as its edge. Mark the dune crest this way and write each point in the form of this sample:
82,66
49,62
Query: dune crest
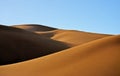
34,27
72,37
76,37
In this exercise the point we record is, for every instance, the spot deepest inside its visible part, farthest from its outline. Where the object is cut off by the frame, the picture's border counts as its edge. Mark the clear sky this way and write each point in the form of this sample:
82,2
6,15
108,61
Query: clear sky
101,16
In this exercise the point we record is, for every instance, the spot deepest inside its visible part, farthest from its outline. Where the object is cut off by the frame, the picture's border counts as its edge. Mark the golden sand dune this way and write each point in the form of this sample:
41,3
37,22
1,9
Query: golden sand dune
72,37
19,45
97,58
51,52
76,37
34,27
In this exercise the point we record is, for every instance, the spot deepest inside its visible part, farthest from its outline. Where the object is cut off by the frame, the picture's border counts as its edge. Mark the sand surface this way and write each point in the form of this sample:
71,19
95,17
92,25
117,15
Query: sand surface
19,45
57,52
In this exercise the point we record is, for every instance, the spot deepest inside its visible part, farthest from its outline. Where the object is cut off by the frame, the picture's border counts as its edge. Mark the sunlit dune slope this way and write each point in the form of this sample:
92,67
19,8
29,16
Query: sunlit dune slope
34,27
97,58
19,45
72,37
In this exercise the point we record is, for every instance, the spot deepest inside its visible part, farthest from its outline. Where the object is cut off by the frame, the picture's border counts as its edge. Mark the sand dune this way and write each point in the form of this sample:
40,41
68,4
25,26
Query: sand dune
94,55
34,27
66,36
83,60
76,37
72,37
18,45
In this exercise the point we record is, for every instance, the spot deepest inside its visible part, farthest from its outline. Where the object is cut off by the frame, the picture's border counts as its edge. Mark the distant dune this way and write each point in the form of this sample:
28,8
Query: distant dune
71,36
58,52
34,27
76,37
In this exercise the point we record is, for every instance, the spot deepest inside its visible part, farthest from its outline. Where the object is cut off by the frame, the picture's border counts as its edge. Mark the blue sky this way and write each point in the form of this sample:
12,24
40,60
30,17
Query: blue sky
101,16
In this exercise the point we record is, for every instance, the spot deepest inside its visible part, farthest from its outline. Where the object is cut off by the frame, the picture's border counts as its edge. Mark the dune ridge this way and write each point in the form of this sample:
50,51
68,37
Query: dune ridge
34,27
83,60
72,37
66,36
76,37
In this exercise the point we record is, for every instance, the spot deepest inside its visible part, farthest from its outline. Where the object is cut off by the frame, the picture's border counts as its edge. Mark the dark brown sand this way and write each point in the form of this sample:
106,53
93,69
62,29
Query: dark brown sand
19,45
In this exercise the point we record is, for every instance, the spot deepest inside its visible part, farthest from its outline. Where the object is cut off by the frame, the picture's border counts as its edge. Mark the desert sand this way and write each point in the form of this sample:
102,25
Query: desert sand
71,37
34,27
18,45
57,52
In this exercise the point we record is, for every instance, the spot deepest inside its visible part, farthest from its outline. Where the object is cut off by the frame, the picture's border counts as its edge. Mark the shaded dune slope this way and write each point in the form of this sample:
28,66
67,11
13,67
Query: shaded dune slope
34,27
48,34
19,45
97,58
